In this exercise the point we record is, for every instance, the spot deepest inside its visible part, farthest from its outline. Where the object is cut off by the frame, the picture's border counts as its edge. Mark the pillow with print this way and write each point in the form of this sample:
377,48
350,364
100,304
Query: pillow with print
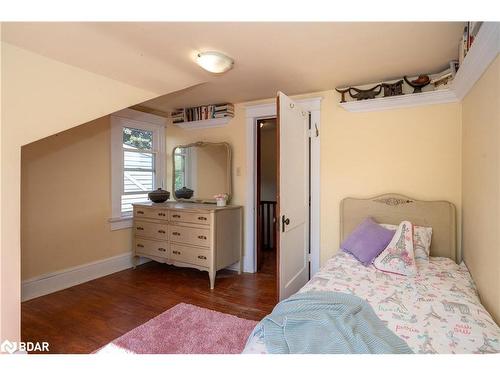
398,257
422,237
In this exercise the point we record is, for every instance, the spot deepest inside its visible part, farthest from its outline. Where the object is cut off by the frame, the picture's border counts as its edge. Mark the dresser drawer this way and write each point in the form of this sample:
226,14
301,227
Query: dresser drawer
150,247
149,229
190,255
150,213
190,236
190,217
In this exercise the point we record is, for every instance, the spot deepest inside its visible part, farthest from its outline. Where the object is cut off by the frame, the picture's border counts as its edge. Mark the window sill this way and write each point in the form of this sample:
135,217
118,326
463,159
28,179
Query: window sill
122,222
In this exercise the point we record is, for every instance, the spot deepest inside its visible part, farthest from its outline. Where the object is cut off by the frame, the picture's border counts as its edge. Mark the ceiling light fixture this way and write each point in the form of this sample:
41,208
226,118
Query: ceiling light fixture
214,62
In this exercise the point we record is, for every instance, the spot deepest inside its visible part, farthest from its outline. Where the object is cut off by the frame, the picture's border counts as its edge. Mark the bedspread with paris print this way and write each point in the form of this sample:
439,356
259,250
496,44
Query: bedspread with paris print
436,311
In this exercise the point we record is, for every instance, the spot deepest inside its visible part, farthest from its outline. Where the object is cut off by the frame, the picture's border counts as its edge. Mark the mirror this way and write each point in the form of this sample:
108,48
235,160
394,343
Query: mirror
202,170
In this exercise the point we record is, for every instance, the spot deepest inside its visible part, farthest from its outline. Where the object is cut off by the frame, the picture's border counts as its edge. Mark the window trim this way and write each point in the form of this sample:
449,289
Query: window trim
138,120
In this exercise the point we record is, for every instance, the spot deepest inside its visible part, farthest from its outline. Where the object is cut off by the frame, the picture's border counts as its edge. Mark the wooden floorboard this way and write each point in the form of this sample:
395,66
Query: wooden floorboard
83,318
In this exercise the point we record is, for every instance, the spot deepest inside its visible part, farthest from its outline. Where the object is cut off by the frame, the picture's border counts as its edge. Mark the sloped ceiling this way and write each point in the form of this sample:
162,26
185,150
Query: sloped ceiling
292,57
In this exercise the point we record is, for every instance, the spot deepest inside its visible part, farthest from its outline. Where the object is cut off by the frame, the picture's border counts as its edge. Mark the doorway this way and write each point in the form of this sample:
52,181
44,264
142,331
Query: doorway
266,195
311,108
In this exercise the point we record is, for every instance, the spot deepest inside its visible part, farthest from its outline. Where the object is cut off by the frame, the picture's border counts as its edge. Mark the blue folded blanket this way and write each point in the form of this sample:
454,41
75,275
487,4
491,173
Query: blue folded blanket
328,322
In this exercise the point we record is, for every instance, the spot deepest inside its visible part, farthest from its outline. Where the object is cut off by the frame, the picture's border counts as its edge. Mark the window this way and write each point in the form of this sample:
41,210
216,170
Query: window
137,163
138,166
180,167
185,167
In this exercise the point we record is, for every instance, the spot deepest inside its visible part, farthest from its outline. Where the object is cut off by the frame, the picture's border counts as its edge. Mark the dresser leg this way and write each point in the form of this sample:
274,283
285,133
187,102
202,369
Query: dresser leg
211,276
135,261
240,268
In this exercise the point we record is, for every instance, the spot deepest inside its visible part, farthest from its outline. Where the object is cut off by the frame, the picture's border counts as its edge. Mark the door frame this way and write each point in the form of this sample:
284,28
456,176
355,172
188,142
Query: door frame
262,111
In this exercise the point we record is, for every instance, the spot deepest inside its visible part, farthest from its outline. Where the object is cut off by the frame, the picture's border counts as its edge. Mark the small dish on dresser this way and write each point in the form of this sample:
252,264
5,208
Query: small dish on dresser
159,195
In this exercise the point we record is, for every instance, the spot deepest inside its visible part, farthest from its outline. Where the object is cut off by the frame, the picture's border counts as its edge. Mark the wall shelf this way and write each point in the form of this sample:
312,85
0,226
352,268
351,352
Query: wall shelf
401,101
203,124
482,53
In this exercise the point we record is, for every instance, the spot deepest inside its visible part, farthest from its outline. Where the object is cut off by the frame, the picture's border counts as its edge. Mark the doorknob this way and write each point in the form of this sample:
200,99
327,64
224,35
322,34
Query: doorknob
284,221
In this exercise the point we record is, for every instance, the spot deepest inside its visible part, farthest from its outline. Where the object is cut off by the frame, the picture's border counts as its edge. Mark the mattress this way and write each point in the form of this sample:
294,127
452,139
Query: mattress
437,311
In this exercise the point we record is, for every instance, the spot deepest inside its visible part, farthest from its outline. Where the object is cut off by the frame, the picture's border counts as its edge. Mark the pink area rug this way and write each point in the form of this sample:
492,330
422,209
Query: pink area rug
185,329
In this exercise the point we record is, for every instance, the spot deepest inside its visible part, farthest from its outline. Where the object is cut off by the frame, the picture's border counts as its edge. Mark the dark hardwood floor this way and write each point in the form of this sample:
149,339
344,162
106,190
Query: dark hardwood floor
268,262
83,318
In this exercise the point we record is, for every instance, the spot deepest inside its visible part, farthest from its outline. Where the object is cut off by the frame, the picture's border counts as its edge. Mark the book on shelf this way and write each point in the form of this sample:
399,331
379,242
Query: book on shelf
468,37
454,67
204,112
221,115
219,107
474,27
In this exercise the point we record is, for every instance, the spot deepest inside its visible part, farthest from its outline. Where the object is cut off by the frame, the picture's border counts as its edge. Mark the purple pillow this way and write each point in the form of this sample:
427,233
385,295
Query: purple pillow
367,241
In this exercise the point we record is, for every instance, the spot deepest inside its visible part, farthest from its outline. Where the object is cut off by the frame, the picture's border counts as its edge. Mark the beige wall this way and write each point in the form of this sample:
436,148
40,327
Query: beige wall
40,97
71,170
413,151
66,201
481,186
410,151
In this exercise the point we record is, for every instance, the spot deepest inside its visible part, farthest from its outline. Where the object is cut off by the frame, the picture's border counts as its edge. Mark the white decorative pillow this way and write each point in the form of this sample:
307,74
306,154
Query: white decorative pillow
398,256
422,237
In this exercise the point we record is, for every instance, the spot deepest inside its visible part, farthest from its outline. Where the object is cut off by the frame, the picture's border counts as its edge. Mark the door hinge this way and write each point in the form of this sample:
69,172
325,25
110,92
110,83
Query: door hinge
313,133
309,257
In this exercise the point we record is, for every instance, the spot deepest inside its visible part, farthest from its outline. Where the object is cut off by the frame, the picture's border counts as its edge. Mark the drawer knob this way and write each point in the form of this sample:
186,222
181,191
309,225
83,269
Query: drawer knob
202,257
176,252
140,228
161,231
176,234
140,245
176,216
140,212
202,218
161,213
161,249
202,237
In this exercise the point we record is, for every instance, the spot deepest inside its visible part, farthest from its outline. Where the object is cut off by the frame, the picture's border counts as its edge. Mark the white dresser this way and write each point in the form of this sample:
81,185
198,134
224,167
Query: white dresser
201,236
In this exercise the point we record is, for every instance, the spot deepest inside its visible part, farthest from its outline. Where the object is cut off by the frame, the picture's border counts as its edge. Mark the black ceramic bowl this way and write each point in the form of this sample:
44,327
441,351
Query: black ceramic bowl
184,193
159,196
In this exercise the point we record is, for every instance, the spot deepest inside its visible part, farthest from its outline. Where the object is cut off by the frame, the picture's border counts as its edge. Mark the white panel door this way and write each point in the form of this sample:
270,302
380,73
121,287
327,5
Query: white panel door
293,196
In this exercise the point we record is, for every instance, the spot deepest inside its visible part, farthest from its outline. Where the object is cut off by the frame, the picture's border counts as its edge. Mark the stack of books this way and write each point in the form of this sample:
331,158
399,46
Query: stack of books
224,110
204,112
177,116
445,77
469,35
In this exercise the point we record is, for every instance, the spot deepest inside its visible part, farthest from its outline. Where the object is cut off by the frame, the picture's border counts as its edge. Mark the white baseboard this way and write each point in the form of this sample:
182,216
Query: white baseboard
234,267
52,282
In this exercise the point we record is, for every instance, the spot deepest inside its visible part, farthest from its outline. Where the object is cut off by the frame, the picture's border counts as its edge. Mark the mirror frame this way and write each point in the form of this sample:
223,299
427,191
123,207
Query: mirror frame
229,171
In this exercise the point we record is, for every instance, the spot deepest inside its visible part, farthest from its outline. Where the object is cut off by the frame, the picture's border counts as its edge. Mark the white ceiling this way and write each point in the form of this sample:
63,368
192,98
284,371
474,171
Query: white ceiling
292,57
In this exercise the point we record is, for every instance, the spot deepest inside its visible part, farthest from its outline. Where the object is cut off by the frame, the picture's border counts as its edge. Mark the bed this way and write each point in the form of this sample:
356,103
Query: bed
436,311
